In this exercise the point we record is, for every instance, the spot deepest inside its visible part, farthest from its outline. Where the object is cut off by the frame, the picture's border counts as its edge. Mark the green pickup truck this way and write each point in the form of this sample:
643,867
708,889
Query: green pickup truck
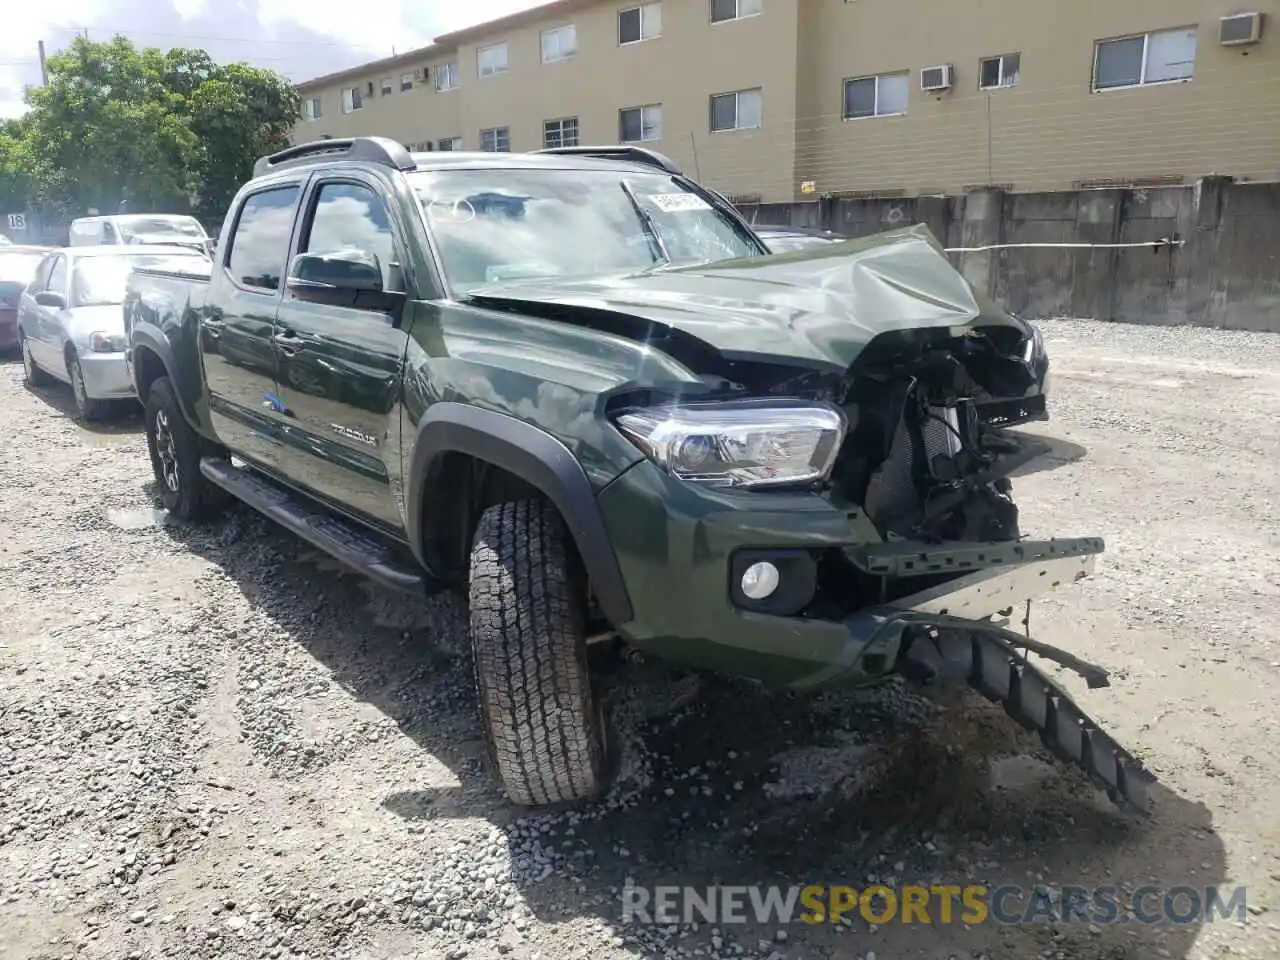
576,385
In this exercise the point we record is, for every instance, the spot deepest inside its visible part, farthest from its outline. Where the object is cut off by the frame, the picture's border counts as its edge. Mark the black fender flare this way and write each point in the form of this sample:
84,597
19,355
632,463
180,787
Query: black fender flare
141,337
535,456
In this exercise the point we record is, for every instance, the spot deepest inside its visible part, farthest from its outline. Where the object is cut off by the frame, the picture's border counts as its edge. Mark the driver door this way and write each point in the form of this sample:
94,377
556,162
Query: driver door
339,367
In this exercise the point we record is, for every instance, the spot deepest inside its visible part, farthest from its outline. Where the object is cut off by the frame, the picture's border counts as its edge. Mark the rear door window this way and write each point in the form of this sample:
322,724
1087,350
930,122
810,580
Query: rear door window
259,244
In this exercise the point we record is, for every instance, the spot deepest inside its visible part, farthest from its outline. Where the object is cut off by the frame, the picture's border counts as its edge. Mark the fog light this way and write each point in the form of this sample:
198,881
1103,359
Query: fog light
760,580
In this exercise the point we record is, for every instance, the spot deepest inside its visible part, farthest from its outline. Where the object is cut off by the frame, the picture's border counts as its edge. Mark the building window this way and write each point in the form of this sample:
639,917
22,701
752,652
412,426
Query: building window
640,23
352,100
559,43
311,108
446,77
638,124
1001,71
492,59
880,96
496,140
1161,57
560,133
406,82
735,111
386,86
449,144
723,10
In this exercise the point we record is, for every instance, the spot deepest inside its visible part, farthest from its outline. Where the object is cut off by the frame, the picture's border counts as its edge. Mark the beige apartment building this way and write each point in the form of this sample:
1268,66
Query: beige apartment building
782,99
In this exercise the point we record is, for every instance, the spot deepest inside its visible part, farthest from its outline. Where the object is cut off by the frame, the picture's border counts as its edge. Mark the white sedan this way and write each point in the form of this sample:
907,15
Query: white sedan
71,321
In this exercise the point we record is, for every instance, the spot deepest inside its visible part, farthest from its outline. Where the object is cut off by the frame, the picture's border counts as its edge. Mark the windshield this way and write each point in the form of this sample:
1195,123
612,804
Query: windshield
100,281
508,224
142,226
19,267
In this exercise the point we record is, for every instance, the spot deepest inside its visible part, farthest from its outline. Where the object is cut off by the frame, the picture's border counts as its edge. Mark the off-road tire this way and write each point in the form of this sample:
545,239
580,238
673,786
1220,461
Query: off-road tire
89,408
545,735
187,494
32,374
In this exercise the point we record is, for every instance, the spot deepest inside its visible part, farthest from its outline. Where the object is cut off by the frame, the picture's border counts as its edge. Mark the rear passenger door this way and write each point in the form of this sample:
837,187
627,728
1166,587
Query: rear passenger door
237,327
43,324
340,367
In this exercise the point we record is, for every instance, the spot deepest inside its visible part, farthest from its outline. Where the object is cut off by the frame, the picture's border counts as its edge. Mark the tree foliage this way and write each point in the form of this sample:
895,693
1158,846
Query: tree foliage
118,128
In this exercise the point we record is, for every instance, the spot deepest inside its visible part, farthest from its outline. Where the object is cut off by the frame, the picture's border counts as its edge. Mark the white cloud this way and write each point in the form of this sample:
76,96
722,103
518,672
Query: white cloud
299,38
25,25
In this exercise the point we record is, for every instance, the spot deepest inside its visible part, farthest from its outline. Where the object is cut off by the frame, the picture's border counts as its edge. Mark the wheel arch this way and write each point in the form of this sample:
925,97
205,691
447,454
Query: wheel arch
514,458
152,358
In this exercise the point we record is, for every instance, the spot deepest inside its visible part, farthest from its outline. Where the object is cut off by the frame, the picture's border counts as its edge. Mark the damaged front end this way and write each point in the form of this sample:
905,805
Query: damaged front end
827,458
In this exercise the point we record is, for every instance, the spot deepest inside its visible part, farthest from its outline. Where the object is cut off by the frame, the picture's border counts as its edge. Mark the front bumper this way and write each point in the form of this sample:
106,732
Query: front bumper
106,376
676,546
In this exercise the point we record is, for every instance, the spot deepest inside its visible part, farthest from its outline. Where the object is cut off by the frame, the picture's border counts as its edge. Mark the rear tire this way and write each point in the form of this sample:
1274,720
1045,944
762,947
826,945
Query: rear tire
32,375
176,450
544,731
90,409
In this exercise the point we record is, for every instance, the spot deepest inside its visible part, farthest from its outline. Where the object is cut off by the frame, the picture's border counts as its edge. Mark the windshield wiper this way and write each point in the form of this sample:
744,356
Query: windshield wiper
650,226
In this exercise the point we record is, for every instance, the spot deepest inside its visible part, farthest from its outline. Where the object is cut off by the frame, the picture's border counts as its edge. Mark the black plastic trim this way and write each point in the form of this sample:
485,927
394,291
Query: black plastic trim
536,457
320,528
630,154
380,150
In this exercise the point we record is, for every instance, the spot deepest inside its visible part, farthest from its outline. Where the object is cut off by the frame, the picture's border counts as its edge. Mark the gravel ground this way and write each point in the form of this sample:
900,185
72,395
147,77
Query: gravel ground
215,744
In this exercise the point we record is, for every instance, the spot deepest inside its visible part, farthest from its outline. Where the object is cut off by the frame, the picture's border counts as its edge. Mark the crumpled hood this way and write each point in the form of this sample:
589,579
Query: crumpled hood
818,307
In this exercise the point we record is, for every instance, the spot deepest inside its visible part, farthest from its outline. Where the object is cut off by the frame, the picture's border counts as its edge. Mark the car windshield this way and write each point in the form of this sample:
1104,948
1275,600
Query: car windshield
100,281
19,267
508,224
156,226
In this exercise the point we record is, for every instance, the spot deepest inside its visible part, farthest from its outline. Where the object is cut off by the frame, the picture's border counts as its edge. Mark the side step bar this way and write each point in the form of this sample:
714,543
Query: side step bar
995,668
312,523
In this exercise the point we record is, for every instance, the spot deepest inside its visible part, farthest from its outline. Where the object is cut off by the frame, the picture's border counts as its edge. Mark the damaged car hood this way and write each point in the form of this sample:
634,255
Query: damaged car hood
818,307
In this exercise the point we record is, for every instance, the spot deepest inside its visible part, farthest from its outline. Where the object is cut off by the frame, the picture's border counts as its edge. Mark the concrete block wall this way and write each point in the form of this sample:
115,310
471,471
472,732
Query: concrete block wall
1226,273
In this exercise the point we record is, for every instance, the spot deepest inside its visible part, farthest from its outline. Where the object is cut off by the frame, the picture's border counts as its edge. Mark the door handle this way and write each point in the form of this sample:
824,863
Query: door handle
290,343
213,327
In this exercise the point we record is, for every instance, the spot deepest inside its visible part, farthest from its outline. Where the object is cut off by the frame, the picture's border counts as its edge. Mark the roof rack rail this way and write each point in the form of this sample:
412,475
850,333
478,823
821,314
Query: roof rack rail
620,152
380,150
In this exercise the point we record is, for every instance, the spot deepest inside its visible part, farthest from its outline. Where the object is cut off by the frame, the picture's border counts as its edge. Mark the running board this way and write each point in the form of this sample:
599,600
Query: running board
995,668
338,538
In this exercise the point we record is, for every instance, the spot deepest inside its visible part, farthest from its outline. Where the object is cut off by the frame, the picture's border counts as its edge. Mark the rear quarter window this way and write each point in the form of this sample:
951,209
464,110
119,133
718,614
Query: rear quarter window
259,244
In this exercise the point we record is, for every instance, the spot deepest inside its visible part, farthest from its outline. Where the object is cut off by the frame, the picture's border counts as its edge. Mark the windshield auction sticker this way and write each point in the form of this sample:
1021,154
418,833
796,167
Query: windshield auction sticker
678,202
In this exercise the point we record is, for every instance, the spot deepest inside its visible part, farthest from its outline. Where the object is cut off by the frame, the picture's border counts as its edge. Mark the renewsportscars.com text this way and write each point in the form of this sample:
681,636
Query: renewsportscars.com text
937,904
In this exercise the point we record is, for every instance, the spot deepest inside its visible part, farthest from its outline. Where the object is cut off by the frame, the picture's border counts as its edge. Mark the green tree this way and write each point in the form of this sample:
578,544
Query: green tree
121,128
17,183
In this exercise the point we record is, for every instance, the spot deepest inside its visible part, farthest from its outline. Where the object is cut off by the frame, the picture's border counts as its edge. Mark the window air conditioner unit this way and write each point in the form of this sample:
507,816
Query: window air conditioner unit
934,79
1239,29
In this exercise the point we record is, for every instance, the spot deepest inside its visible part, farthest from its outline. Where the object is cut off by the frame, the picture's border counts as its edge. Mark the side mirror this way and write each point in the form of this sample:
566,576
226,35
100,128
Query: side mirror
55,301
342,278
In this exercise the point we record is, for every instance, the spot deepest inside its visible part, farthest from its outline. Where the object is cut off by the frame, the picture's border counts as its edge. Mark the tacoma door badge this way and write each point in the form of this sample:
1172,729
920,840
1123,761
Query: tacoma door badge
351,433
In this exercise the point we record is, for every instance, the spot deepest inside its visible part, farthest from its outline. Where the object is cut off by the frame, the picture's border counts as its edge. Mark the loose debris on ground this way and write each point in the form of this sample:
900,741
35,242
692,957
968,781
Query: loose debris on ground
216,744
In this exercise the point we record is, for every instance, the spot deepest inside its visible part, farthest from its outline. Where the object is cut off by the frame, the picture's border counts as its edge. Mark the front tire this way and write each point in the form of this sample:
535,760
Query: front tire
175,458
89,408
544,731
32,375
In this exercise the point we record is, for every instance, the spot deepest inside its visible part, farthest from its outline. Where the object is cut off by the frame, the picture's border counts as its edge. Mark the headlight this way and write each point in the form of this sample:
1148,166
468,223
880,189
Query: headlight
100,342
770,443
1035,344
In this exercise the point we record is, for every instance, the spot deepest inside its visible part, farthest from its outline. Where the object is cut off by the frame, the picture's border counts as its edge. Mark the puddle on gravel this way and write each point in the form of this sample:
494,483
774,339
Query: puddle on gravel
141,518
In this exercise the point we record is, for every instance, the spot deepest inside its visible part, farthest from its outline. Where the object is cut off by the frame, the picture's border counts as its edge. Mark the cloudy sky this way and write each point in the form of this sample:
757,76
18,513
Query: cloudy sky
299,38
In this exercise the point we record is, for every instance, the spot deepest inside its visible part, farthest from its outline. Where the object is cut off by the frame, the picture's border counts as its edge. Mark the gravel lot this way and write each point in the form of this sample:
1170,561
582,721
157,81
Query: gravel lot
213,743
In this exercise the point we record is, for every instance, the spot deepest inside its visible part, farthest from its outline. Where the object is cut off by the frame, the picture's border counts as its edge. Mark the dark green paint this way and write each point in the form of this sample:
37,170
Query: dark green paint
816,309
